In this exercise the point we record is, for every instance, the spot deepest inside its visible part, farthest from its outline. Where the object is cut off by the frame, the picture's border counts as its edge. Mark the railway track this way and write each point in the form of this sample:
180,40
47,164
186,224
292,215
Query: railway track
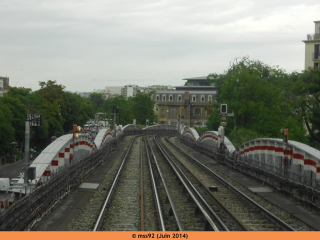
158,187
252,214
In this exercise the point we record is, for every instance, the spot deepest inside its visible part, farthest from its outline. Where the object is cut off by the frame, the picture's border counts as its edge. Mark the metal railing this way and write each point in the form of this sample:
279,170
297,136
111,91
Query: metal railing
28,210
315,36
282,177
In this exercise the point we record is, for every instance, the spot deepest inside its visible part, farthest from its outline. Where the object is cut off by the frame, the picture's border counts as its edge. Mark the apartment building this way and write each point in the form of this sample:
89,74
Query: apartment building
312,48
4,85
192,102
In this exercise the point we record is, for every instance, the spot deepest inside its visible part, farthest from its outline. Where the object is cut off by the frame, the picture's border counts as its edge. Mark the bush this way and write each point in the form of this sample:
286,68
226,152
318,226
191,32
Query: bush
201,130
241,136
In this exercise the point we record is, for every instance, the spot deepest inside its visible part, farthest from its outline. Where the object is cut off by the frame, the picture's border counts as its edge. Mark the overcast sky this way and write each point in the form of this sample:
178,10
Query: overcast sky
87,45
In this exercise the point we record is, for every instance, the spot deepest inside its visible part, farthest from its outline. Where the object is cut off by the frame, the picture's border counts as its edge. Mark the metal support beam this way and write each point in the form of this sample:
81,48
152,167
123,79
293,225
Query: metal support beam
26,152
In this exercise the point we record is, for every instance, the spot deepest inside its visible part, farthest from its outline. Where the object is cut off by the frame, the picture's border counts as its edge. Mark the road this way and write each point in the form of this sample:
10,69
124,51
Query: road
12,170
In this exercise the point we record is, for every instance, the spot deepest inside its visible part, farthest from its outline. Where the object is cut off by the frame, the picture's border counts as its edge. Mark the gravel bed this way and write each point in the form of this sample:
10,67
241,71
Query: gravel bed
150,214
123,213
201,182
186,209
89,214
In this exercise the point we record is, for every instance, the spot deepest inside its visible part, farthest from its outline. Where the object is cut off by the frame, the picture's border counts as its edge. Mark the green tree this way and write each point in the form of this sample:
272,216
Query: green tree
241,136
125,109
97,101
143,108
261,97
79,109
6,128
54,93
307,88
19,112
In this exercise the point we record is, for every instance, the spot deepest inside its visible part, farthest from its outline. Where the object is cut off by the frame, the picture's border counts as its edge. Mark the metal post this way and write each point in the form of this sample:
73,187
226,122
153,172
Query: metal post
26,152
114,125
73,158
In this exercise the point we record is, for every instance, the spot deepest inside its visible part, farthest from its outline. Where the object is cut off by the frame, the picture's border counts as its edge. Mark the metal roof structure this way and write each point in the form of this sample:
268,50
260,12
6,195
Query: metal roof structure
46,156
309,150
100,137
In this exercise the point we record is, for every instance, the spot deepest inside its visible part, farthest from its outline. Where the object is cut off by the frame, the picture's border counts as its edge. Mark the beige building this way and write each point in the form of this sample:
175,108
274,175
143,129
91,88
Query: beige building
192,102
4,85
312,50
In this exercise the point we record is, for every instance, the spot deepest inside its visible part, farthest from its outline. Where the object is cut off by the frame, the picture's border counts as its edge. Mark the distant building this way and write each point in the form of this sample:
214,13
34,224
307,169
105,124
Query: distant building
113,90
4,85
312,48
192,102
129,91
84,94
102,92
1,88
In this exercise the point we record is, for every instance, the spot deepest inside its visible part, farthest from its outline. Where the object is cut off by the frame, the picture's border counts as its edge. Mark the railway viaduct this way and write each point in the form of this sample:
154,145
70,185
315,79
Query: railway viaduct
292,167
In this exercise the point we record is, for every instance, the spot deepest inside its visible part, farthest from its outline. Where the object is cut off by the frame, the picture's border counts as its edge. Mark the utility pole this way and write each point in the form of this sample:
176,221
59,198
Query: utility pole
26,152
33,120
115,111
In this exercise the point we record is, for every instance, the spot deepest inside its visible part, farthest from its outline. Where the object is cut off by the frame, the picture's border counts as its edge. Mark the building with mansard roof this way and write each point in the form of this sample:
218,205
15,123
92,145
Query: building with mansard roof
192,102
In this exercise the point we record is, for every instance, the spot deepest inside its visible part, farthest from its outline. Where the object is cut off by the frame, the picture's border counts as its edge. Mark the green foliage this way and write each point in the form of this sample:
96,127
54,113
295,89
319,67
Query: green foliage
125,115
241,136
97,101
6,128
262,98
201,130
307,89
142,107
58,109
18,111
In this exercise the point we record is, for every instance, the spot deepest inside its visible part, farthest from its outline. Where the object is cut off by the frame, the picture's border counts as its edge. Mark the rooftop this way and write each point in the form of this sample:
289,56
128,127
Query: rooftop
183,92
196,78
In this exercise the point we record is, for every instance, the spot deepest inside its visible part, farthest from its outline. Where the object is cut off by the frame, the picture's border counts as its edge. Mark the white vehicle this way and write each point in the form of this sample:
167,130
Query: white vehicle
4,184
16,181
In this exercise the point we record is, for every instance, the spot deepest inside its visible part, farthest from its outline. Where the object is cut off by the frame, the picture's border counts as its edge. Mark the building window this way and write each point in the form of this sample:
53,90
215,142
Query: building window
170,98
194,98
317,51
158,98
316,65
162,110
209,98
163,97
179,98
202,98
197,111
157,107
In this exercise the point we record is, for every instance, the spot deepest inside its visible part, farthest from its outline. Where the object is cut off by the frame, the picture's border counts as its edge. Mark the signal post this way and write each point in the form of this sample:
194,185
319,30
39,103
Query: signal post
223,124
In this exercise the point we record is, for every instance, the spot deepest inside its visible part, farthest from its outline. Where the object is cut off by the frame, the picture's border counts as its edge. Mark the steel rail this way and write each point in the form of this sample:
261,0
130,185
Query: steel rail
230,214
141,190
115,181
203,206
176,216
155,192
283,225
